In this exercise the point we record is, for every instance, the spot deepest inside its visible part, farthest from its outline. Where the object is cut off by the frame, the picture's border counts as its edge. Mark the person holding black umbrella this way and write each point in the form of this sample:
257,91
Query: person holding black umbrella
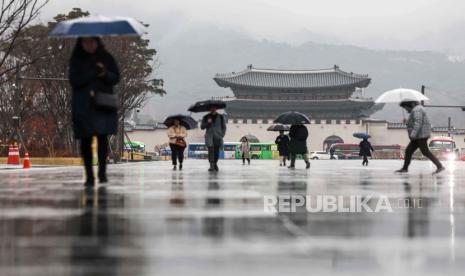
93,73
365,150
215,126
283,147
177,134
298,144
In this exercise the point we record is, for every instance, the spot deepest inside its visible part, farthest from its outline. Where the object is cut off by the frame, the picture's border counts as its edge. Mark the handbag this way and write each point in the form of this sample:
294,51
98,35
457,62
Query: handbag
105,101
180,142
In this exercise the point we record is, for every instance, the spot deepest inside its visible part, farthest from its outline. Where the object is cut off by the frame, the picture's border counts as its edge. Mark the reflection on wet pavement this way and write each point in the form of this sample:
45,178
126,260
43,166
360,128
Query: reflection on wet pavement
154,221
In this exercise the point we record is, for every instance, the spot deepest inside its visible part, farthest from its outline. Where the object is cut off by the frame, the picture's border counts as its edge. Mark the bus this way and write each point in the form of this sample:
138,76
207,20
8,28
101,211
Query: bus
197,151
134,146
230,151
262,150
351,151
444,148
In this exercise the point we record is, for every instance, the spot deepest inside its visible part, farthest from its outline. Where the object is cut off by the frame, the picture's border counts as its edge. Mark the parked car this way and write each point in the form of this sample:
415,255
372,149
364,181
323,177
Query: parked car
321,155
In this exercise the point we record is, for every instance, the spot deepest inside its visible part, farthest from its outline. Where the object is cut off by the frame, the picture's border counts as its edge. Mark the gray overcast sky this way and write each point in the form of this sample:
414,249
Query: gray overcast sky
395,24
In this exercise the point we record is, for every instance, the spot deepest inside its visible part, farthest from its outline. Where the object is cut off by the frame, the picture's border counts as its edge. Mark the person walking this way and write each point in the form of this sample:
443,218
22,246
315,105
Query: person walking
365,150
215,126
245,150
177,134
419,130
298,144
93,72
283,147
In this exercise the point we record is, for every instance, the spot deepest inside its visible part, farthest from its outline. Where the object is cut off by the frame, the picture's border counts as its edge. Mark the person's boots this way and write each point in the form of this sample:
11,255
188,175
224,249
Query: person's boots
89,182
243,162
248,161
403,170
308,165
102,177
174,167
438,170
216,167
180,166
212,167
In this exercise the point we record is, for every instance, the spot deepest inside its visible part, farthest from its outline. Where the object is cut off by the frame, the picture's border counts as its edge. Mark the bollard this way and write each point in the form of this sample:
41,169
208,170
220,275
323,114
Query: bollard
26,161
13,155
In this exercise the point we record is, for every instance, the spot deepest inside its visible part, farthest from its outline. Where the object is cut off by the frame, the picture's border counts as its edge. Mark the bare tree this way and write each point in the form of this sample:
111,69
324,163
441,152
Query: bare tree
15,16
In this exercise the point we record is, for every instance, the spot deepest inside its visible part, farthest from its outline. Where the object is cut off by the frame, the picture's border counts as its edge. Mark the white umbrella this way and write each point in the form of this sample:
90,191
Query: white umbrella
401,95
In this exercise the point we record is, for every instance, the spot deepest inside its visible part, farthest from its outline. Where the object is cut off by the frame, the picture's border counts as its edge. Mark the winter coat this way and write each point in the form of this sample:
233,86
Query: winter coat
84,77
174,132
245,149
298,142
283,145
418,125
215,131
365,148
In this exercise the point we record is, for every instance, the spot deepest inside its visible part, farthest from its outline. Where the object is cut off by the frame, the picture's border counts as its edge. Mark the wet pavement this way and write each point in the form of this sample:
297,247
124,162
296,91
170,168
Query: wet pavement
151,220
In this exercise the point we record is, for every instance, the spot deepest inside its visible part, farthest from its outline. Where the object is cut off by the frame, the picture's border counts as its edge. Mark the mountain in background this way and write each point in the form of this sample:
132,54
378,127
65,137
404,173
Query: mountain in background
189,57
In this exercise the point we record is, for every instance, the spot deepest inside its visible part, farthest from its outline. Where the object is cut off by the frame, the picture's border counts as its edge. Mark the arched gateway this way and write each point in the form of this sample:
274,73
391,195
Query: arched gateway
328,142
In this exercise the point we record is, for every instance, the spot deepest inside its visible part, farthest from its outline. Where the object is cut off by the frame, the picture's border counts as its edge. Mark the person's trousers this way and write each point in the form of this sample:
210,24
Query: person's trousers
214,154
243,159
102,151
177,154
365,160
421,144
294,156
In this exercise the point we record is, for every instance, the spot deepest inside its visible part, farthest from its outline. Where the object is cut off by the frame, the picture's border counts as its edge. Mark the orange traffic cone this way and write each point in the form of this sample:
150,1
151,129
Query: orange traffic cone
26,162
13,155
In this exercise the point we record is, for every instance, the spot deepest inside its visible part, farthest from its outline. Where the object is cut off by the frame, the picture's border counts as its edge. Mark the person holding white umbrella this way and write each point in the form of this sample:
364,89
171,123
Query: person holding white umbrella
418,124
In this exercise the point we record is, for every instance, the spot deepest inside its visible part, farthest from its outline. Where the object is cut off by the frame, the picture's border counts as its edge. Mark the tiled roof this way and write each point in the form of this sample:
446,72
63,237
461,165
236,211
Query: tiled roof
270,78
456,131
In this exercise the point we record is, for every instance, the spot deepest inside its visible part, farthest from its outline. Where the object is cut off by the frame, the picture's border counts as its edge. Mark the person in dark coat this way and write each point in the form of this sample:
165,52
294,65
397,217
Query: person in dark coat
283,147
365,150
332,151
215,126
92,70
298,144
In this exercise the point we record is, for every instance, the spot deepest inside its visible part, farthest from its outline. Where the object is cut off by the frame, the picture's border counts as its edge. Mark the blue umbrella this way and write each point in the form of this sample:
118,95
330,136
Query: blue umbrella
361,135
98,26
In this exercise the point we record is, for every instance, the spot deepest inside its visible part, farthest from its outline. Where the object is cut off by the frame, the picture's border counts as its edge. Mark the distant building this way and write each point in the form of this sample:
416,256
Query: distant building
320,94
328,96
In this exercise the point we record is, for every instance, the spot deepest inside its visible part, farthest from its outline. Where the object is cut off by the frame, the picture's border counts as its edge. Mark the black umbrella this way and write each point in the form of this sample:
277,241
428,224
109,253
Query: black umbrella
205,106
251,138
187,121
292,118
278,127
361,135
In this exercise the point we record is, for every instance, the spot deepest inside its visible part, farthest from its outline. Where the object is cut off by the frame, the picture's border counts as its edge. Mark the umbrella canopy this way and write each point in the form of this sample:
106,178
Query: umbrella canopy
292,118
98,26
205,106
278,127
361,135
187,121
401,95
251,138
